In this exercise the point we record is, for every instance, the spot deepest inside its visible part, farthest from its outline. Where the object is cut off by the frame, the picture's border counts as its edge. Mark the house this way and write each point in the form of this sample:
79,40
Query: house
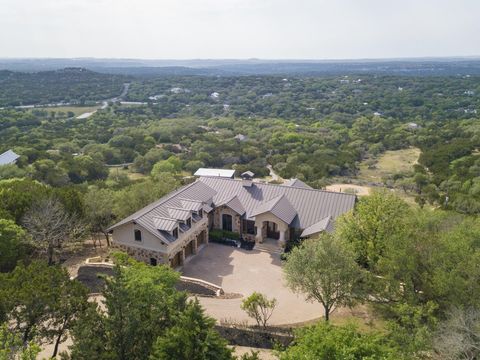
174,228
241,137
9,157
226,173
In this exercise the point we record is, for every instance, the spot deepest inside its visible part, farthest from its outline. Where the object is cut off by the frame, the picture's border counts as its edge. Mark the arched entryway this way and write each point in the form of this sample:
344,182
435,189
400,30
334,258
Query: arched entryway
272,230
227,222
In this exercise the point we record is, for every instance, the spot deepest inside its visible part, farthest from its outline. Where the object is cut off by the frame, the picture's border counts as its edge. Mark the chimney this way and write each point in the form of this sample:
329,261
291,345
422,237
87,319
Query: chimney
247,178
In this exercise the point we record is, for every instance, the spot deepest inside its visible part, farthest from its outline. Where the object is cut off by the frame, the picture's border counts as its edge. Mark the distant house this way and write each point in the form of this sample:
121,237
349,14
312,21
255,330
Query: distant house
224,173
174,228
214,95
413,126
8,158
241,137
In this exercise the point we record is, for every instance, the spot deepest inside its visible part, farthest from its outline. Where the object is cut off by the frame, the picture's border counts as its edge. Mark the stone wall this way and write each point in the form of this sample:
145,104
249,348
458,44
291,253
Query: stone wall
142,254
236,219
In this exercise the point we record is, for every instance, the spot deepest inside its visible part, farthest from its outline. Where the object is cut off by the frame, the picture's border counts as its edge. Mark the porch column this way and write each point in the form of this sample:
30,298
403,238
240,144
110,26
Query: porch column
281,239
182,257
258,236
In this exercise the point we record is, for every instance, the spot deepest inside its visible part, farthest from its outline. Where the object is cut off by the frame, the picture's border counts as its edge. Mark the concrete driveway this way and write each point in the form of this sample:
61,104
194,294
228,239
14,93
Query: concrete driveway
243,272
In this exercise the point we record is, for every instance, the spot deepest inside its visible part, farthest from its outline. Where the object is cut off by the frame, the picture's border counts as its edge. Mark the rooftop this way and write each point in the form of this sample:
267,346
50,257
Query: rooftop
8,157
226,173
299,207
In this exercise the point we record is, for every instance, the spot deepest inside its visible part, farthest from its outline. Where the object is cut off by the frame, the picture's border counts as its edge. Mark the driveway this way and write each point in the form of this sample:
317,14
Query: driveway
243,272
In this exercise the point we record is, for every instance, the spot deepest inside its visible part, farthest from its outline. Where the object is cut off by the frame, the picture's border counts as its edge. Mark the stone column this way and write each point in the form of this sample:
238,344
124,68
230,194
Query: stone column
258,237
281,241
195,245
182,258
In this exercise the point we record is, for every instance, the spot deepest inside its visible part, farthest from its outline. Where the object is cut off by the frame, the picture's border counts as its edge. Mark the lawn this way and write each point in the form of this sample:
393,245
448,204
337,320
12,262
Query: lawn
121,170
390,163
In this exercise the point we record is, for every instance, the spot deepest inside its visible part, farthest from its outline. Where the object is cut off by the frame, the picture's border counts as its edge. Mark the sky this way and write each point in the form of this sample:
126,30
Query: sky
239,29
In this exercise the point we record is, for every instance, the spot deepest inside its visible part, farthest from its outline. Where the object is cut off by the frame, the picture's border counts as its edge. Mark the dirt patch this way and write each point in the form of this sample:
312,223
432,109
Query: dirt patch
359,190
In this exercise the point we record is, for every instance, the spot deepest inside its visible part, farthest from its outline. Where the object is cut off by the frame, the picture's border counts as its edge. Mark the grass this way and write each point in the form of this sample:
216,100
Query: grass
131,175
390,163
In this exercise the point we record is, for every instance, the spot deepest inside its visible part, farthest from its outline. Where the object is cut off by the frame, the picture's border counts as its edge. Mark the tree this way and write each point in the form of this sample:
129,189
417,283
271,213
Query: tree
327,342
141,304
324,269
193,337
12,347
52,228
376,218
99,210
12,244
458,337
138,195
259,307
41,302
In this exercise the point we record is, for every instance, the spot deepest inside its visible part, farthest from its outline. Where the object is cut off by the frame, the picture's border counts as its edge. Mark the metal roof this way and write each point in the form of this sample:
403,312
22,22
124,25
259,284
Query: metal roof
8,157
226,173
311,205
164,223
297,183
178,214
278,206
299,207
234,204
323,225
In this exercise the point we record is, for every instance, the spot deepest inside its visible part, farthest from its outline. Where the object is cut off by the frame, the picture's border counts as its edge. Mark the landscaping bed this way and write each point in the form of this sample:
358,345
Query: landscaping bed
230,238
254,336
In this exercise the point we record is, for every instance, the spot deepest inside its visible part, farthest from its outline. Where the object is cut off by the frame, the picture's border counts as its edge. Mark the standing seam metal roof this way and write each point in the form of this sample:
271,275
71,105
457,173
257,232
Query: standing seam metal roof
8,157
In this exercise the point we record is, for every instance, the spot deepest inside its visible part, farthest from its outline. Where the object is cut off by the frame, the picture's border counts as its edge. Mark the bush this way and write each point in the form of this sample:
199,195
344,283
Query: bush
222,236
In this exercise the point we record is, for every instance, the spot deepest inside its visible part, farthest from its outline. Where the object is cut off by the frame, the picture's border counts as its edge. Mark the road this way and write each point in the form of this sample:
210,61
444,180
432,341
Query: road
273,174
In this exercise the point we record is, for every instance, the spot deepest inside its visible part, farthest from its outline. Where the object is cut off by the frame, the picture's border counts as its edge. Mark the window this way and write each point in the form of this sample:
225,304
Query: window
138,235
189,222
153,261
249,227
175,233
227,222
200,212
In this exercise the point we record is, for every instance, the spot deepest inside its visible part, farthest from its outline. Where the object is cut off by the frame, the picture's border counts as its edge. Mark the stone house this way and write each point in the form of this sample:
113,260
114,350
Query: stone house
174,228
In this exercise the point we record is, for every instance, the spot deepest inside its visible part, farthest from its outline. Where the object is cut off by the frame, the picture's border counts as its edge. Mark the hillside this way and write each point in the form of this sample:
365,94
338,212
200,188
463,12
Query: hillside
69,85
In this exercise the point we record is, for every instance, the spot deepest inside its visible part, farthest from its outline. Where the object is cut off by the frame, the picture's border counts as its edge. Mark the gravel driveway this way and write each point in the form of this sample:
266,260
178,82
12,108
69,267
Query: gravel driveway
242,271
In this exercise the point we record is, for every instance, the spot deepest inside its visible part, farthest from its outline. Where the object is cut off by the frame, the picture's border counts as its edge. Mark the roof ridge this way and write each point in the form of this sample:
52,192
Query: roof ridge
281,185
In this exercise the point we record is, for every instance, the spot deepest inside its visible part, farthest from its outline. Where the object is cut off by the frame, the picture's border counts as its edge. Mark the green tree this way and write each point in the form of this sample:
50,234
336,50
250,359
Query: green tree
259,307
193,337
99,210
376,218
13,244
324,269
141,305
12,347
40,301
327,342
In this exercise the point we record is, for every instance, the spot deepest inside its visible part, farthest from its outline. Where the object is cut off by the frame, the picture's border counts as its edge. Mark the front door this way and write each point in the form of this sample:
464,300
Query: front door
227,222
272,230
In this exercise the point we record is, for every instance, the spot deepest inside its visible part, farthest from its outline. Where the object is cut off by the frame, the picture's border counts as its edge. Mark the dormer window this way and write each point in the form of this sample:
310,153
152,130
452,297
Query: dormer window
189,222
175,233
200,212
138,235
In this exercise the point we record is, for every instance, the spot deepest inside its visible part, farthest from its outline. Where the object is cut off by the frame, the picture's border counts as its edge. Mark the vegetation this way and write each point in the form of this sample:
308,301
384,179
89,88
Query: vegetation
325,271
70,85
259,307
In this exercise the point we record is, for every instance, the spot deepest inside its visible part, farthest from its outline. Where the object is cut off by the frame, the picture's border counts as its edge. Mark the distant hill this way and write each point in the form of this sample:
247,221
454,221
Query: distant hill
73,84
139,67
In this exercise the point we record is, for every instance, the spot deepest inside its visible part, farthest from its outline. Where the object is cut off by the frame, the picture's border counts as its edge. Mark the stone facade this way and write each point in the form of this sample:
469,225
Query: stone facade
236,219
142,254
193,237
